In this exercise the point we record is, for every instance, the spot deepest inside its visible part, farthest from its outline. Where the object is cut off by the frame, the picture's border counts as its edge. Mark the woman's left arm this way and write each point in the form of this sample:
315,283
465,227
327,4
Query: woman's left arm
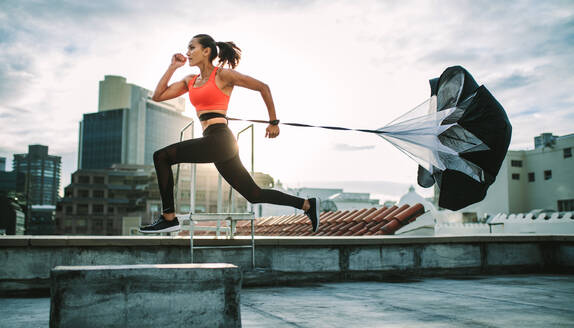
233,78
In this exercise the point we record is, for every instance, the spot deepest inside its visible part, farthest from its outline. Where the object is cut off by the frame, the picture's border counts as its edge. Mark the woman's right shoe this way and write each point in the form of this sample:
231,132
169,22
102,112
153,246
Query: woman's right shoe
161,225
313,213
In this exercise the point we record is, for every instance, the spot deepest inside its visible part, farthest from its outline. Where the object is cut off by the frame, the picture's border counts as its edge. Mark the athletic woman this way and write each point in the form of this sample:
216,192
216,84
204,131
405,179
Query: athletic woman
209,92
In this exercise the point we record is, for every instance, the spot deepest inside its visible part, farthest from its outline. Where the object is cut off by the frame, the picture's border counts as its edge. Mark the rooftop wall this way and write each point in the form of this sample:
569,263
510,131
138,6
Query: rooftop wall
27,260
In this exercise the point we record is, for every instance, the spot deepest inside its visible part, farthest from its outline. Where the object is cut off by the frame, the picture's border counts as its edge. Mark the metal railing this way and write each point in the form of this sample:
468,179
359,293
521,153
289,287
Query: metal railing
230,217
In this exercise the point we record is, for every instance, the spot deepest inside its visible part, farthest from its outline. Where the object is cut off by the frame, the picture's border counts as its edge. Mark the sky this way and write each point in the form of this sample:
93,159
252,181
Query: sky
357,64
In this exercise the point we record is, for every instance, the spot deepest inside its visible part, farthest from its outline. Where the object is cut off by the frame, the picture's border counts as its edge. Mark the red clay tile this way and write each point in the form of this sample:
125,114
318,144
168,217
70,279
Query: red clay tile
347,226
368,215
371,224
374,214
390,216
386,212
391,227
338,215
353,214
357,227
362,216
343,217
378,226
361,232
409,213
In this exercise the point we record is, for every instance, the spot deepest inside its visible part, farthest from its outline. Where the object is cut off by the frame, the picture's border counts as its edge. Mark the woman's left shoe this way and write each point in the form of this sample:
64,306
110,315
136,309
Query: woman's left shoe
313,212
161,225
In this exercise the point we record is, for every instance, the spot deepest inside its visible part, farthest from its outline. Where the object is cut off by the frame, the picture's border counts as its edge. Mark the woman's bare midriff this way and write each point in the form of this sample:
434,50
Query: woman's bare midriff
205,124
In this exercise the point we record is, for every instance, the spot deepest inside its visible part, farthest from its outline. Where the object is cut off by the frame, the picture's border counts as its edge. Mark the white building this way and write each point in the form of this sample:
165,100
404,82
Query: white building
541,178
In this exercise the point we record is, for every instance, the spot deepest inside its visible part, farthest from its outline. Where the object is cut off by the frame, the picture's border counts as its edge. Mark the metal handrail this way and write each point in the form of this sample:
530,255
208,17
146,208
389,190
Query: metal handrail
192,191
231,203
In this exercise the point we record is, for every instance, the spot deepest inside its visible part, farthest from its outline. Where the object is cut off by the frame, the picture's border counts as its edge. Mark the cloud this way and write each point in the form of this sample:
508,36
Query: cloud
515,80
356,64
346,147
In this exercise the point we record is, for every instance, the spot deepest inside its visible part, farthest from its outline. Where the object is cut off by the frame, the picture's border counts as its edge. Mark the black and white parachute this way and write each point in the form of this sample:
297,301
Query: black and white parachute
459,137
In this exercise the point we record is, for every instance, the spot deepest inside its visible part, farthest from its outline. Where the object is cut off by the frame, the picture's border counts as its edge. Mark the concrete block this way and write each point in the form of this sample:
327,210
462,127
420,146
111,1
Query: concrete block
146,295
381,258
508,254
450,256
305,259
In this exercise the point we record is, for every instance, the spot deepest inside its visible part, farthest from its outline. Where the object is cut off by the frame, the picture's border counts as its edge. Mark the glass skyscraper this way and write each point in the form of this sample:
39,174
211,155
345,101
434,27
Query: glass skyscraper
128,127
41,185
42,174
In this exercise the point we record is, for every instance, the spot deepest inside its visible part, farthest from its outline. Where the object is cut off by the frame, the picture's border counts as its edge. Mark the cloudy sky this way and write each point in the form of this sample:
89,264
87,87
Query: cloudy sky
358,64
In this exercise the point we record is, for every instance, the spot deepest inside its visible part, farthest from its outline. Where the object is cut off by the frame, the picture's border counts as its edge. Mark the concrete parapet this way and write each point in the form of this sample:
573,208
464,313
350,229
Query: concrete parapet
146,295
27,260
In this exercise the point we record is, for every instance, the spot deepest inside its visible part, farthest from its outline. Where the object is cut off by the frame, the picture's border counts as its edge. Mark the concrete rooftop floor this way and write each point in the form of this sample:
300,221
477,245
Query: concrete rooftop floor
466,301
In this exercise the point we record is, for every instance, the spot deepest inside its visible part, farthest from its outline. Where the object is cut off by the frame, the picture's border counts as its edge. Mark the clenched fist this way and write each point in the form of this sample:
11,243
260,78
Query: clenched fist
178,60
272,131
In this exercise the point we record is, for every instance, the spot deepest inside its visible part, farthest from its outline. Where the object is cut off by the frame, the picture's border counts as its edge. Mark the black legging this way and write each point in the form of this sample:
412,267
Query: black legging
217,146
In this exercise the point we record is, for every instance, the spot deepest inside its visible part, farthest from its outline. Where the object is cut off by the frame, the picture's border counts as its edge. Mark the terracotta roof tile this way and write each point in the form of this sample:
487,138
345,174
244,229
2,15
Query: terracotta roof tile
363,222
384,213
352,215
364,215
361,232
357,227
372,215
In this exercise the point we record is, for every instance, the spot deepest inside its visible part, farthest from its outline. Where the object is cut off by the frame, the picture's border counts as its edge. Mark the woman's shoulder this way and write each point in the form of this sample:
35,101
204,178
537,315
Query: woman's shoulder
225,74
188,78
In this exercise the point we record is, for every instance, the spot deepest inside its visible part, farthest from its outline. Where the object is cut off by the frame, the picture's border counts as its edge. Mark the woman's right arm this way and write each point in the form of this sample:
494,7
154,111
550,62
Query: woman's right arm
162,91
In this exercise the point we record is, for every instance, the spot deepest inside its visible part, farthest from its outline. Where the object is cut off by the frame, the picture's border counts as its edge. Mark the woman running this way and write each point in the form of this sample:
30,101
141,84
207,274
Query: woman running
209,92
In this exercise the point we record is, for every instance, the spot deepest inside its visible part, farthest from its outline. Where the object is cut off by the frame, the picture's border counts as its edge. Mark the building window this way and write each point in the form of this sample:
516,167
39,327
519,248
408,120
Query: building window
515,176
69,209
516,163
530,176
83,193
84,179
98,208
566,205
110,210
82,209
98,193
547,174
98,224
567,152
99,180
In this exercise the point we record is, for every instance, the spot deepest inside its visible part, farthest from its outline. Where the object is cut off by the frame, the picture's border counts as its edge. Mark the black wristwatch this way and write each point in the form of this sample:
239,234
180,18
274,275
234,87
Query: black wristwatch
274,122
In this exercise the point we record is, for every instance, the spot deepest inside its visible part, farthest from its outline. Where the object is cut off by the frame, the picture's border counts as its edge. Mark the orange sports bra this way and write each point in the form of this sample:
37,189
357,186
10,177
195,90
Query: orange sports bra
208,96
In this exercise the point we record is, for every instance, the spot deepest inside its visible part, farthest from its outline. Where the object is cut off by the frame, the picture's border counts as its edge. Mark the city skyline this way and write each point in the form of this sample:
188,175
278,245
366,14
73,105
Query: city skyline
356,64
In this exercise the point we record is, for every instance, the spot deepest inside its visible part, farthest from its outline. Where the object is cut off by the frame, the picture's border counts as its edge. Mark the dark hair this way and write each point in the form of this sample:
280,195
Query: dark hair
229,53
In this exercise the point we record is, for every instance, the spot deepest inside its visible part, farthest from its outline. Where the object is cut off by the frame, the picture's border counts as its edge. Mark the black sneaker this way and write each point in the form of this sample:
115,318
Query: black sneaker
161,225
313,212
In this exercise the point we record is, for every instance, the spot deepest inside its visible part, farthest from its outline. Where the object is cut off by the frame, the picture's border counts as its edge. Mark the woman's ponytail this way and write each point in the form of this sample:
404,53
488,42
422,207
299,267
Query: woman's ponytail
229,53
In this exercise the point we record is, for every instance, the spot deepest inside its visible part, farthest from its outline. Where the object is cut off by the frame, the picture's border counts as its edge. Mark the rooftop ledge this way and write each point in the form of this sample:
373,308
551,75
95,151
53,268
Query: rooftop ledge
138,241
286,260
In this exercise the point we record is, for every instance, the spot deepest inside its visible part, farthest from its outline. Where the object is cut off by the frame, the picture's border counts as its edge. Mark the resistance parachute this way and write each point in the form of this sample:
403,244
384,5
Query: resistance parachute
459,137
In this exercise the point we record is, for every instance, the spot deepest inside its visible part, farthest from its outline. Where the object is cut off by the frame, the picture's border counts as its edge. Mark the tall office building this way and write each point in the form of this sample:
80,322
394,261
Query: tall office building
540,178
42,174
41,184
129,126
